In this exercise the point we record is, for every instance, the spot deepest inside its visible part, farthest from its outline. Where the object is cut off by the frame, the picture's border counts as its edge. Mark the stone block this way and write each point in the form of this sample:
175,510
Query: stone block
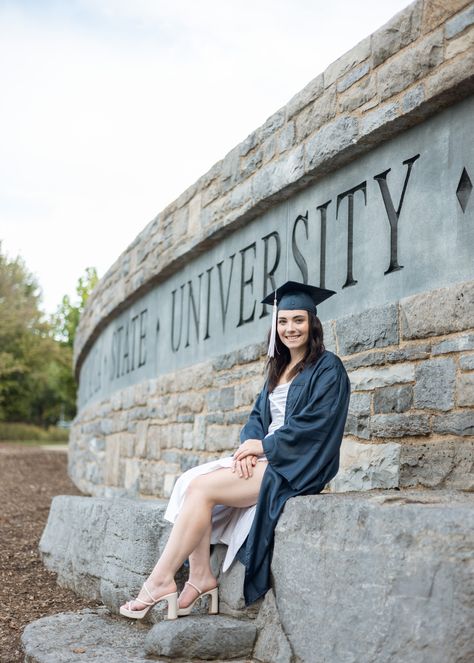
357,95
399,425
221,438
353,76
112,459
364,379
438,464
329,335
465,390
379,358
436,12
438,312
357,425
463,43
367,466
86,635
359,403
286,137
330,140
346,62
317,114
444,81
306,96
376,327
72,542
413,98
393,399
457,344
272,644
380,118
408,66
231,583
400,31
204,637
460,22
454,423
466,363
409,551
434,384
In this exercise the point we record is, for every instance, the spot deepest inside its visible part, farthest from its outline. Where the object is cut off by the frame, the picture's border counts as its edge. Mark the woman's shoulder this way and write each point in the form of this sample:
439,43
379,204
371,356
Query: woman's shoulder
328,360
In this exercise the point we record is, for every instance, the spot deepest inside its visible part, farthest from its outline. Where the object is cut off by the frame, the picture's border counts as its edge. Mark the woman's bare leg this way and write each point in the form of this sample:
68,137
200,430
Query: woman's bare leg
219,487
200,572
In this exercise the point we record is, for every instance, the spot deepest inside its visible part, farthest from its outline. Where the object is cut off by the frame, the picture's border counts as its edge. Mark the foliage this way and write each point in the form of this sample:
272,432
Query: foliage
36,381
18,432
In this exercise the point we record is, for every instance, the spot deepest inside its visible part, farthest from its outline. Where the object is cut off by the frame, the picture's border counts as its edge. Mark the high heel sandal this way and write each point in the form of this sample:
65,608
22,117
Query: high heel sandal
213,604
171,598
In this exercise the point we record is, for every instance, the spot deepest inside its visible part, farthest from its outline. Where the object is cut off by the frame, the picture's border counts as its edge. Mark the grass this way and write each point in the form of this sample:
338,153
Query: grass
30,434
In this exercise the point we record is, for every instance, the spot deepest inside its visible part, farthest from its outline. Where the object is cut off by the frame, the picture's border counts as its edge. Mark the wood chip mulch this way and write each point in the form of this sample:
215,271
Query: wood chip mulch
29,478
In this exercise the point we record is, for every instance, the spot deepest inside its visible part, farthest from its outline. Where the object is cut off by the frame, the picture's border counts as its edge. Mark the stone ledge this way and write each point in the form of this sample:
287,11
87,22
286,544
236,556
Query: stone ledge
408,552
96,635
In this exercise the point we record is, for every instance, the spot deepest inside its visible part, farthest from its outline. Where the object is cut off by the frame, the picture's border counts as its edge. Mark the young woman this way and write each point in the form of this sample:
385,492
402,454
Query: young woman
289,446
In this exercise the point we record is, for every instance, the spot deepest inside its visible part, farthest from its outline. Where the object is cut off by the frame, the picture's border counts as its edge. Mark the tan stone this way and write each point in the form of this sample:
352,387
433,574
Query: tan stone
461,44
112,460
342,65
317,114
357,95
437,11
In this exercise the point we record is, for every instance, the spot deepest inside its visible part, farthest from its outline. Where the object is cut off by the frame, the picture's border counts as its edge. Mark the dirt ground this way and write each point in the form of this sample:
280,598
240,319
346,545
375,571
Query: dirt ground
29,477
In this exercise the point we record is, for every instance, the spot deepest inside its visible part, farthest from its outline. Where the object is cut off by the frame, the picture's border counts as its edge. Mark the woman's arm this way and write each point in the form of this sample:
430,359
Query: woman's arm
302,448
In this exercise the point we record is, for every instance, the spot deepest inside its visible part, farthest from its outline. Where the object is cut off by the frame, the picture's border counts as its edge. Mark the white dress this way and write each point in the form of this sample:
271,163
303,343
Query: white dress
230,525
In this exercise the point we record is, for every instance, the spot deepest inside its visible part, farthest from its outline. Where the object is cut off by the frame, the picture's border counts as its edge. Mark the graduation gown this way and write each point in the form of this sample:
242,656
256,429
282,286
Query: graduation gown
303,456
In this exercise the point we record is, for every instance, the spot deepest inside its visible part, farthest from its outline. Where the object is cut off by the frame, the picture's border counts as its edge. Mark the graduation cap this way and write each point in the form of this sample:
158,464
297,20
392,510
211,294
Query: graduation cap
294,296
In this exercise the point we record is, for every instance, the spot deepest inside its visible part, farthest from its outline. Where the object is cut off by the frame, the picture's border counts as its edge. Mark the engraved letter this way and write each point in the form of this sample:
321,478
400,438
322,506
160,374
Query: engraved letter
350,226
208,308
244,282
224,305
268,274
322,260
298,256
393,215
142,339
196,313
175,346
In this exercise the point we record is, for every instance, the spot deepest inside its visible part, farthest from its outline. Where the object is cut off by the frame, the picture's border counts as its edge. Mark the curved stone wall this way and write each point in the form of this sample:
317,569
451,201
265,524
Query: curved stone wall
361,183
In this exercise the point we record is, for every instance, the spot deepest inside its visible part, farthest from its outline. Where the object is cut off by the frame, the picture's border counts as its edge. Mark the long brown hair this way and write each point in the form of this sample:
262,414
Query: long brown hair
276,365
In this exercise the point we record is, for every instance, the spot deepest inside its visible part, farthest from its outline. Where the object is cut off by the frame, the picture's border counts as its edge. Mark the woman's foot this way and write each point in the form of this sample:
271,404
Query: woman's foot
156,589
189,593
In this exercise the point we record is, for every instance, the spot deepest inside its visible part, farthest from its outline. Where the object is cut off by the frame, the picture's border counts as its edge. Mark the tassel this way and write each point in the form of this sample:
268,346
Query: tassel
271,345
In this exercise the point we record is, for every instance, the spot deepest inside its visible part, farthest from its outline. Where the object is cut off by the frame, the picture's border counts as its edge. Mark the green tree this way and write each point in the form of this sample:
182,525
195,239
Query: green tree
67,316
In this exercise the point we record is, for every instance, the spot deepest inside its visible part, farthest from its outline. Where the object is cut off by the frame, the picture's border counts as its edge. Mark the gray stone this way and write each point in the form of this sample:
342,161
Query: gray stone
465,390
331,139
440,464
286,138
357,95
317,114
380,117
399,425
357,425
400,31
205,637
434,384
353,76
306,96
87,635
438,312
367,466
363,379
456,423
220,399
413,98
466,362
458,344
393,399
346,62
459,22
359,403
408,66
409,551
374,328
231,583
272,645
379,357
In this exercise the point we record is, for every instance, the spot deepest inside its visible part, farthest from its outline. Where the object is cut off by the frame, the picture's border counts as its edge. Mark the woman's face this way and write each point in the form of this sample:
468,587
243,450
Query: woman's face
293,329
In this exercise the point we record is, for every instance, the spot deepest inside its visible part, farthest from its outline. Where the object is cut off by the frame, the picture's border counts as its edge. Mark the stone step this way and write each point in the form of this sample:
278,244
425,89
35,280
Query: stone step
97,635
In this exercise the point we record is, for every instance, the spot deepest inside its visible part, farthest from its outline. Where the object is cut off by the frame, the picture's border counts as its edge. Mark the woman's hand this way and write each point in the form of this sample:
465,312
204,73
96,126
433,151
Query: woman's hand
244,467
249,448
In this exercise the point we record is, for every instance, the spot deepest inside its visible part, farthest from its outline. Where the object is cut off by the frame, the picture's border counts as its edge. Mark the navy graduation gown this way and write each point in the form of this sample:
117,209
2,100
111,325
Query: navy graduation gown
303,456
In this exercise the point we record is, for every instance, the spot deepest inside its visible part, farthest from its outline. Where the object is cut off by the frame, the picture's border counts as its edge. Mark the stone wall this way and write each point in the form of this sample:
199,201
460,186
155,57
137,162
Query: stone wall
410,358
410,419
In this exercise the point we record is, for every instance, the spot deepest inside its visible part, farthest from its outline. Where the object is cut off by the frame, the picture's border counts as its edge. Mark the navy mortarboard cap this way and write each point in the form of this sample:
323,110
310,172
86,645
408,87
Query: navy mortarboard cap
294,296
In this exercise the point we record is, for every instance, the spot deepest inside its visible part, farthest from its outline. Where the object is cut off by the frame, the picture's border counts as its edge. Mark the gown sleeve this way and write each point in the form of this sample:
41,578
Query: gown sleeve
254,428
310,439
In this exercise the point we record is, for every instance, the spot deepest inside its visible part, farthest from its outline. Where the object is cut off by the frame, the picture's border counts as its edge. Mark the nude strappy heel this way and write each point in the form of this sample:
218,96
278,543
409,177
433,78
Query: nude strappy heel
213,604
172,600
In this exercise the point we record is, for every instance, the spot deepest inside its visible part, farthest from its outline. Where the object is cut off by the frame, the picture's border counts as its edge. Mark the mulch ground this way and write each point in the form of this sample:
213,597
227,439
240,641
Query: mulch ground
29,478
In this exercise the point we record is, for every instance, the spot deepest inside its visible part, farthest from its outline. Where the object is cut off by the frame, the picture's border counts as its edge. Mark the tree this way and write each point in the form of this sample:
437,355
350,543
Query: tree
67,316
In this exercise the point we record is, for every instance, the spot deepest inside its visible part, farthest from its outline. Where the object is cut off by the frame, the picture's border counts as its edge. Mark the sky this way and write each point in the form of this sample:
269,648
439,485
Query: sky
112,108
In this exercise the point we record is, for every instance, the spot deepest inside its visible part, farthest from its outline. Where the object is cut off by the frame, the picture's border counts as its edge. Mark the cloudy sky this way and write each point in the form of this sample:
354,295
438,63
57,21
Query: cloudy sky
111,108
